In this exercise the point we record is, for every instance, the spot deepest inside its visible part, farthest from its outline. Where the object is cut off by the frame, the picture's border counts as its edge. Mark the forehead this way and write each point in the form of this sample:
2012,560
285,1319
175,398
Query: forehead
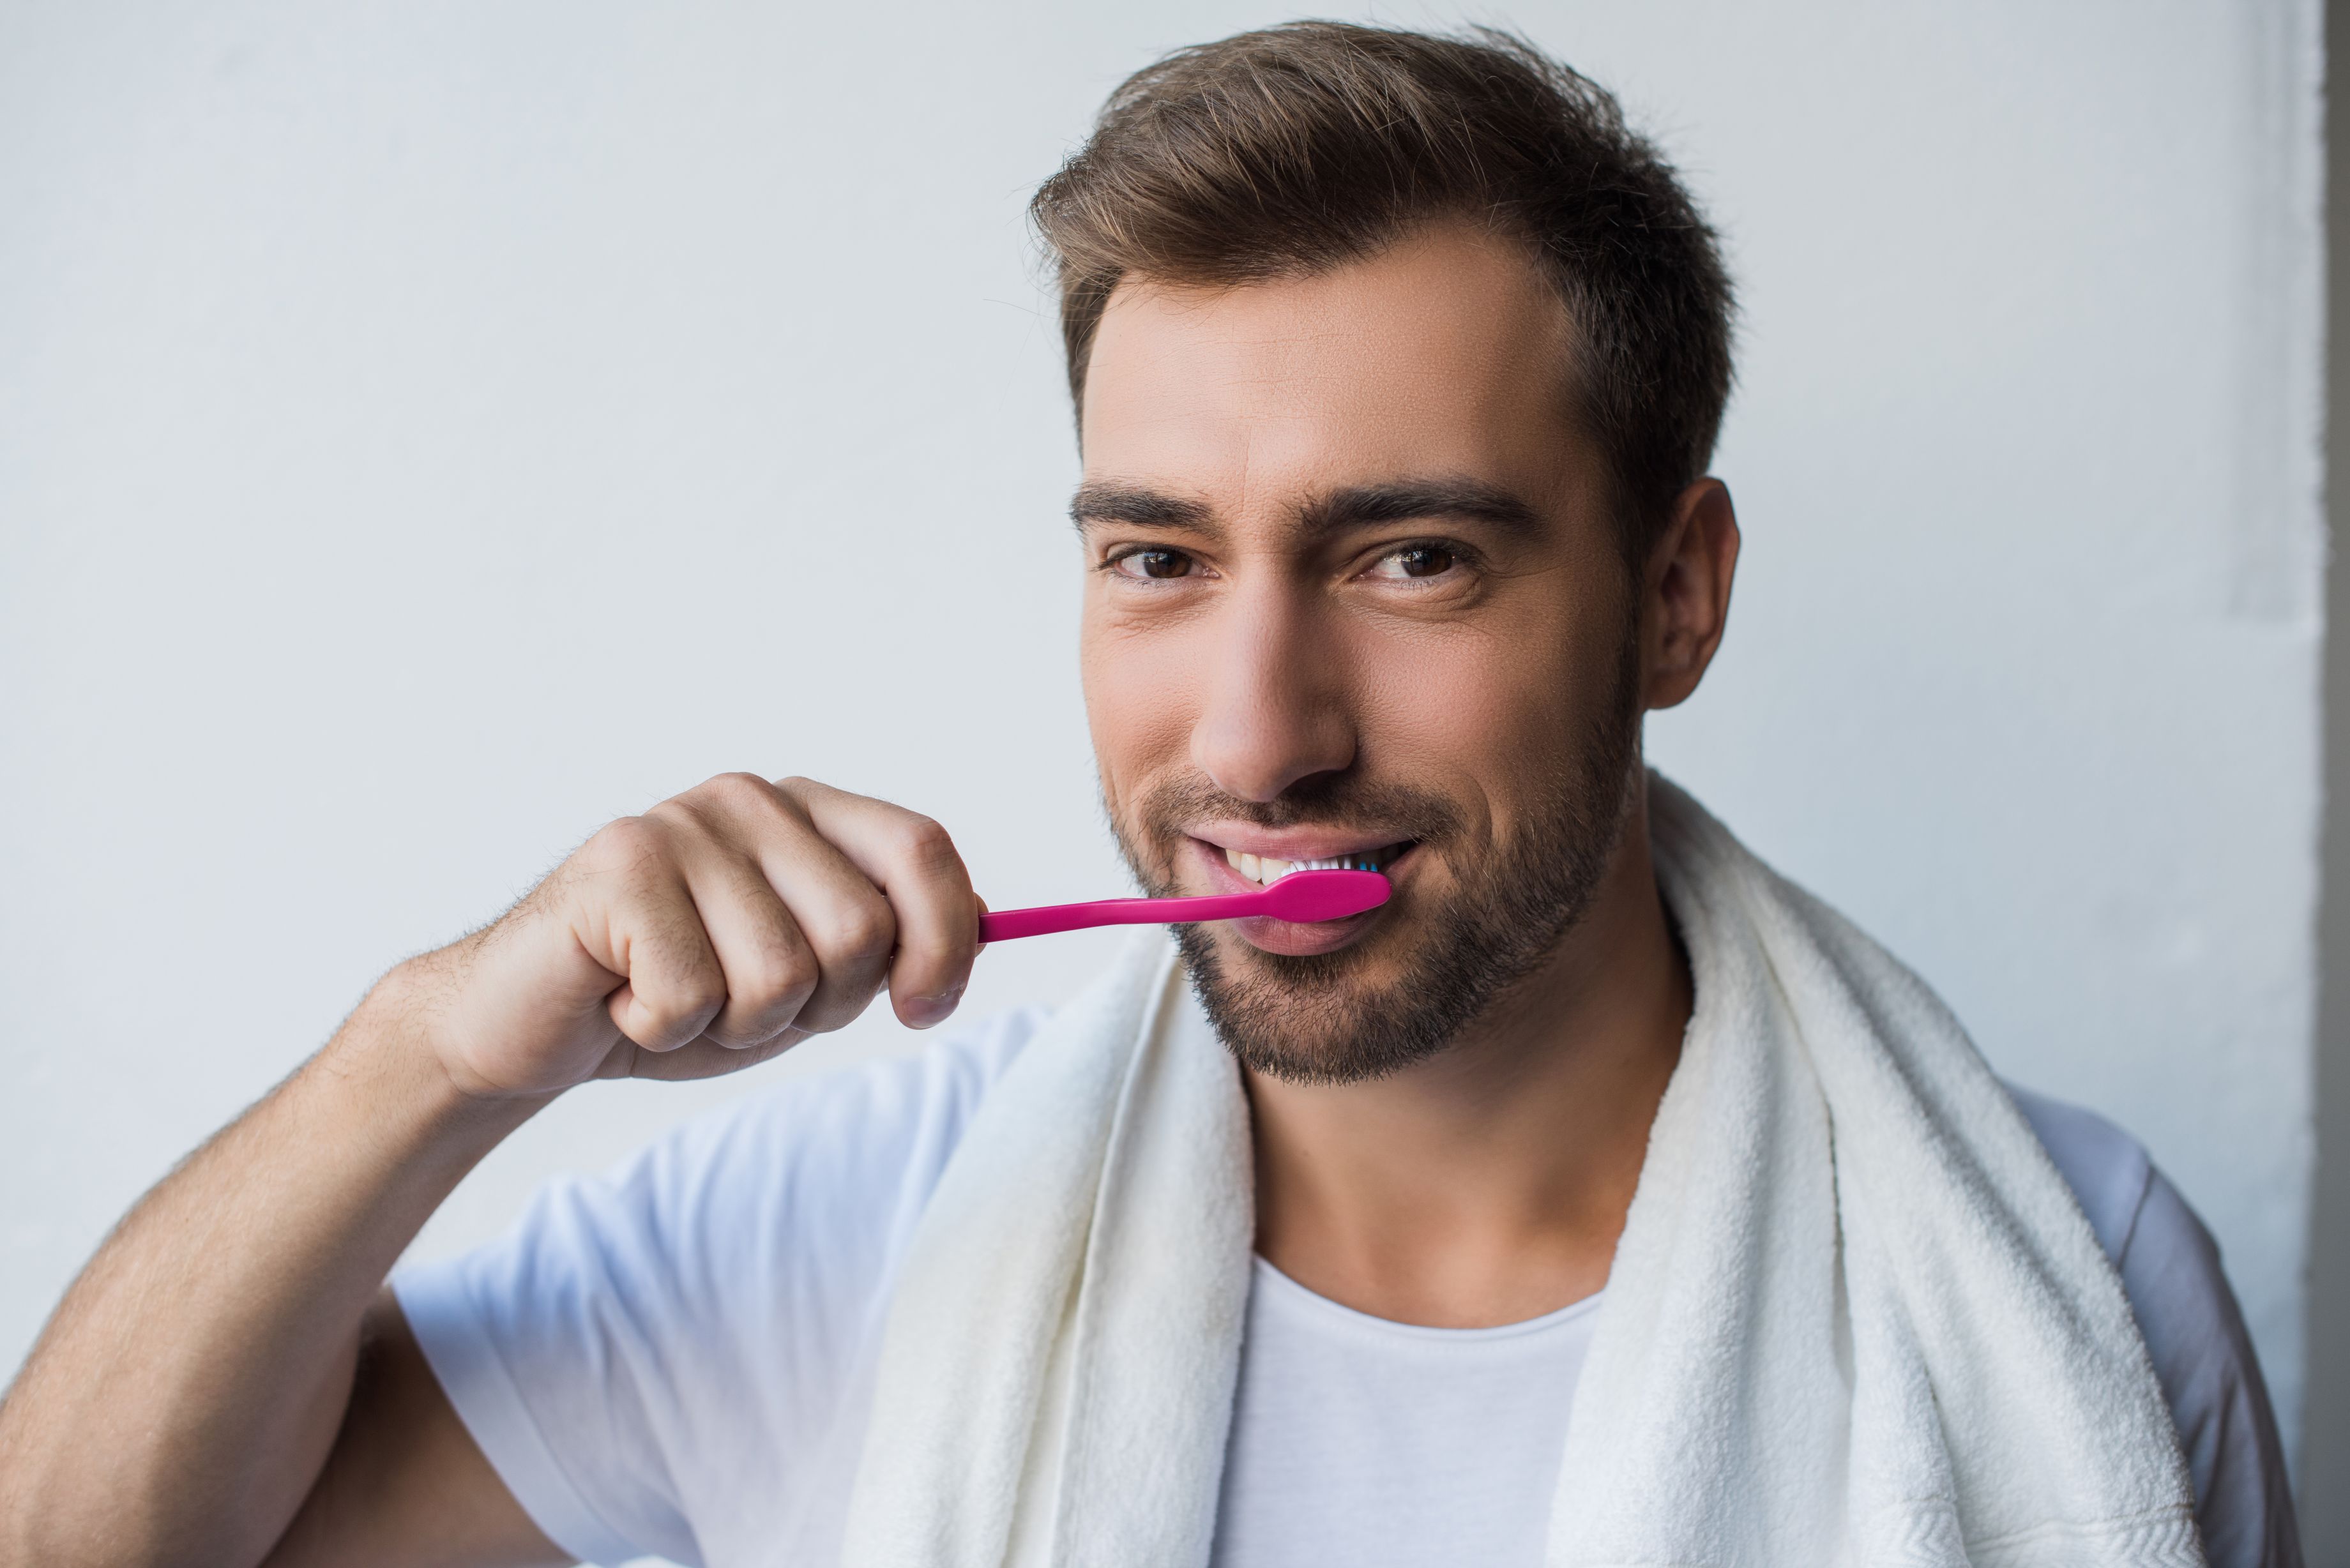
1448,352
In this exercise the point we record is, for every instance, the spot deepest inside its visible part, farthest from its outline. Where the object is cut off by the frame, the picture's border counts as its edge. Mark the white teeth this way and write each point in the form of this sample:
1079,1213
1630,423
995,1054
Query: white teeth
1265,870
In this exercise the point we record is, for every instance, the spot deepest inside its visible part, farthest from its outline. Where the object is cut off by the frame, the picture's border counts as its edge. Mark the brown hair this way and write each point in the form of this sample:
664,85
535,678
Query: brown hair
1305,146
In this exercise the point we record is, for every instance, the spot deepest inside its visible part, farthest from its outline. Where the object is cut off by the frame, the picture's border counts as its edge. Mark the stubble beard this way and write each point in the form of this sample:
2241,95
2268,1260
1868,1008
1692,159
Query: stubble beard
1320,1018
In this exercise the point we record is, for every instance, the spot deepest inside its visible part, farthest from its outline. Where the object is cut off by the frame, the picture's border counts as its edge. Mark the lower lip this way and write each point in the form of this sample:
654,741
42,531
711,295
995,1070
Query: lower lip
1290,939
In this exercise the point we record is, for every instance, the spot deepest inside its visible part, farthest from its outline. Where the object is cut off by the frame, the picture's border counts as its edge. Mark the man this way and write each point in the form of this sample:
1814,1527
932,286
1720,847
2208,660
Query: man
1599,1198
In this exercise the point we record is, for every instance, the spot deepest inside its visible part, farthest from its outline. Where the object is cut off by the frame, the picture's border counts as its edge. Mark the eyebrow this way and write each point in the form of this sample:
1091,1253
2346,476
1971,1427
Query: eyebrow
1354,506
1369,505
1135,507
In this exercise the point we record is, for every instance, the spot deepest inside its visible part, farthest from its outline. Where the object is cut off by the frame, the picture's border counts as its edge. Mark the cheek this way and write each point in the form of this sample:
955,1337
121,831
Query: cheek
1140,701
1451,717
1488,713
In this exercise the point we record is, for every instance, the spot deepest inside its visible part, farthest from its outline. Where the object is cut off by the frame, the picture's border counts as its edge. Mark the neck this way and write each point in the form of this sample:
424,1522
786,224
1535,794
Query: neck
1489,1184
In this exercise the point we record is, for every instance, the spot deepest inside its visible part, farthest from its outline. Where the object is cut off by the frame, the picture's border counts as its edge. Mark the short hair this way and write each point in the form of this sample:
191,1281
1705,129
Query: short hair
1294,150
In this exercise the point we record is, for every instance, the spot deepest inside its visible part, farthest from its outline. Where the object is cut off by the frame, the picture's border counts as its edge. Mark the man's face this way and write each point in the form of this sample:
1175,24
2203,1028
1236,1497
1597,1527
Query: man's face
1356,596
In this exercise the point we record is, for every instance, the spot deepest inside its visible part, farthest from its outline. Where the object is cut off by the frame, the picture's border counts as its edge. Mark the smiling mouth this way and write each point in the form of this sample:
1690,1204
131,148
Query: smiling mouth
1265,870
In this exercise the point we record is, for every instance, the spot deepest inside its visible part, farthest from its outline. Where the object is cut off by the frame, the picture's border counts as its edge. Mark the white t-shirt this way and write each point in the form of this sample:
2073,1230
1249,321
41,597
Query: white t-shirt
1360,1441
676,1359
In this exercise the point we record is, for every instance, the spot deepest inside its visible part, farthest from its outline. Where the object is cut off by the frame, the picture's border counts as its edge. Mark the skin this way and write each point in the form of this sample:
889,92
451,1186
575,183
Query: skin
228,1382
1488,1184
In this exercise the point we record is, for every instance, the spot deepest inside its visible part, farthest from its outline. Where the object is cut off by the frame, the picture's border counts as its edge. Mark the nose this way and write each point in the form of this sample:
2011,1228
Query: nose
1273,712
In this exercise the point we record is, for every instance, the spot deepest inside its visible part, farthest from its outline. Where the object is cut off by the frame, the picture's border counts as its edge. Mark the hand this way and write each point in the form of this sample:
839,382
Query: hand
714,931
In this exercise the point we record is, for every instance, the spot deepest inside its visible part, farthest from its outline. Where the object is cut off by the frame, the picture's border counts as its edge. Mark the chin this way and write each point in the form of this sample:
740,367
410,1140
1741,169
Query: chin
1343,1015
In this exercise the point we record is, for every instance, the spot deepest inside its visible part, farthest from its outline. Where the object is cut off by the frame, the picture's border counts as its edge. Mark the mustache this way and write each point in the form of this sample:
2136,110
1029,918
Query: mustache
1332,800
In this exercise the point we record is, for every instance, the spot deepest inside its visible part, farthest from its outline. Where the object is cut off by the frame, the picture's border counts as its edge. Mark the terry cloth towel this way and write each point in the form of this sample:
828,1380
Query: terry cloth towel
1854,1317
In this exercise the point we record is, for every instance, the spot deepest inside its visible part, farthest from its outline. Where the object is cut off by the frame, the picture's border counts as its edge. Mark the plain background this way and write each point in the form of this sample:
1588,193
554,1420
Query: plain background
429,430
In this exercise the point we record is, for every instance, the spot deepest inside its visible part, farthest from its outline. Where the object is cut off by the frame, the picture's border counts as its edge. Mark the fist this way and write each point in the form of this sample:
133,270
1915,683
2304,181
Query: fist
716,929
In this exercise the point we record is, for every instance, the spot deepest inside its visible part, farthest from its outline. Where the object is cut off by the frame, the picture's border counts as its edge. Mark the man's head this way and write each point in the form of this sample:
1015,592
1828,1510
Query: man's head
1397,362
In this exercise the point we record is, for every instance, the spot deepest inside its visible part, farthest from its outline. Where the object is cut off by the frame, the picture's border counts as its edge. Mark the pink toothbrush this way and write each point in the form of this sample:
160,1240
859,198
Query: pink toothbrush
1301,896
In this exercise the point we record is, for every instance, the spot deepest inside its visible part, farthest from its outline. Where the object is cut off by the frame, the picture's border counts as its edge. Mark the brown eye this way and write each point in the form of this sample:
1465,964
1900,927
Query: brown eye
1418,561
1158,563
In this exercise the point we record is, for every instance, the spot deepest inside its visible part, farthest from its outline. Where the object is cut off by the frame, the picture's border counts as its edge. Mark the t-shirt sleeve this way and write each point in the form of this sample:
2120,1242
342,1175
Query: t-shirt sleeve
2205,1361
2194,1334
665,1359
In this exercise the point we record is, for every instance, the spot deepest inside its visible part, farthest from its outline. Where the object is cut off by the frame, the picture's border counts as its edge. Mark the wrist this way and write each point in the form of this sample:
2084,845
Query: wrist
391,1049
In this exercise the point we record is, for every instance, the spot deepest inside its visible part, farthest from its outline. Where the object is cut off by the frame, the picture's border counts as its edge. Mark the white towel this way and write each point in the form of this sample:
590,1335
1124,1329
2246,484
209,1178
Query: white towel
1856,1315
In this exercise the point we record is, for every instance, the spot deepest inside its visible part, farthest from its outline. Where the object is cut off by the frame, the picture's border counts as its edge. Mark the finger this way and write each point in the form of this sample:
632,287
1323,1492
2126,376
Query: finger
844,919
637,920
698,1058
770,970
915,864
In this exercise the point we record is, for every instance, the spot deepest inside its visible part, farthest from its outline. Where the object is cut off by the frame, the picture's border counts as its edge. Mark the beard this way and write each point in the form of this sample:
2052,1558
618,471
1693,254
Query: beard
1327,1018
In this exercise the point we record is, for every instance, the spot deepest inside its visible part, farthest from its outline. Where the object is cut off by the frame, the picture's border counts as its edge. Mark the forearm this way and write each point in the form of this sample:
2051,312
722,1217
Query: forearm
188,1389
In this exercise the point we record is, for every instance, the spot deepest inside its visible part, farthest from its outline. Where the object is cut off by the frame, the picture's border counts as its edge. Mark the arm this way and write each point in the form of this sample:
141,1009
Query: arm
2210,1374
224,1380
405,1482
207,1352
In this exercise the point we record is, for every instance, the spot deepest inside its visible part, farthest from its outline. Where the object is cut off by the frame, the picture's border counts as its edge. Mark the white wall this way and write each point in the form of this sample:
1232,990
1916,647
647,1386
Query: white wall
428,429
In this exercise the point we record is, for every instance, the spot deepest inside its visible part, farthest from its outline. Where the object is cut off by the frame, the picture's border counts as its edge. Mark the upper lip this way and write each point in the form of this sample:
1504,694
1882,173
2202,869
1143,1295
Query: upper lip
1292,842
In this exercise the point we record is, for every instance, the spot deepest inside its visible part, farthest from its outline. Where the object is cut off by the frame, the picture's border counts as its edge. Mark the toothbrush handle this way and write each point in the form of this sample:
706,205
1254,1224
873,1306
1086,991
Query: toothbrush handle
1046,919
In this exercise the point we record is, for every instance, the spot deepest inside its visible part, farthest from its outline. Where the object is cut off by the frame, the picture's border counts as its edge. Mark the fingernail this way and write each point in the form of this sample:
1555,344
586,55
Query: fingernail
929,1009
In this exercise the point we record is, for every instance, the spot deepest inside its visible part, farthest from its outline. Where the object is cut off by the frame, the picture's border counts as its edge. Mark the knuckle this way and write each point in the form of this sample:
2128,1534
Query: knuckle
679,814
673,1015
623,845
866,931
692,984
740,791
696,999
674,960
777,978
922,842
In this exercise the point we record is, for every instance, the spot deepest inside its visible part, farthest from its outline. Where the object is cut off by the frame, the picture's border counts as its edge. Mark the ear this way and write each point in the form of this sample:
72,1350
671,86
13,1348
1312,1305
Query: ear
1685,594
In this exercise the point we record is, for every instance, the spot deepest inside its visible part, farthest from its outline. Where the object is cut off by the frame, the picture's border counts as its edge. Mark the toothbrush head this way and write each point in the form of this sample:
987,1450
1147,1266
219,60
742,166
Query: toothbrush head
1306,897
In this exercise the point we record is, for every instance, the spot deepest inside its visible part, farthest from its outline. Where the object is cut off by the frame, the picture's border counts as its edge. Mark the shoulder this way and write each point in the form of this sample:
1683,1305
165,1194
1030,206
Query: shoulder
647,1349
2194,1335
2106,1169
862,1145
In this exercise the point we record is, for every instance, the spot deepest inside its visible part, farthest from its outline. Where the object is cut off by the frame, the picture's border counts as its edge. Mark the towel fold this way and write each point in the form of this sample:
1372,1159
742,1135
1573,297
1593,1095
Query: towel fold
1855,1316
